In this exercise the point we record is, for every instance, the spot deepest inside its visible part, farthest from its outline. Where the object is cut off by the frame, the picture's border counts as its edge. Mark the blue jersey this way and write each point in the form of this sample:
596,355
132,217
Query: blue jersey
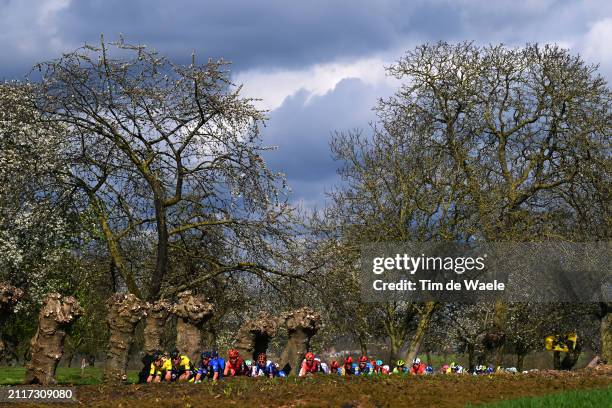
364,371
268,369
215,365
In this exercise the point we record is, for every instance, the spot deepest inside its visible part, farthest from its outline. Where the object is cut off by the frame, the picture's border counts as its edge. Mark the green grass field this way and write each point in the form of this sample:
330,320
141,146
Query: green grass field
583,398
72,376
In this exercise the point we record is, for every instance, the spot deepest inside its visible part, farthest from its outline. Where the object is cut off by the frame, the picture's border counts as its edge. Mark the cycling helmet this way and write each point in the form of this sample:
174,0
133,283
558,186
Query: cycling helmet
205,355
429,370
214,354
233,353
363,359
416,361
248,362
261,357
156,355
309,356
400,363
334,364
348,360
174,354
379,362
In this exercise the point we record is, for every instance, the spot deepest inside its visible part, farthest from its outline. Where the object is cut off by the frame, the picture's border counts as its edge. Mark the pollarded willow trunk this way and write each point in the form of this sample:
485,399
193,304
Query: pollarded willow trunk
192,312
47,346
254,336
157,315
301,325
9,297
124,312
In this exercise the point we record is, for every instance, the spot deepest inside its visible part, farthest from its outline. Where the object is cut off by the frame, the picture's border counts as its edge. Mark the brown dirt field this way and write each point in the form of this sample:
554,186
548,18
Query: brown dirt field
329,391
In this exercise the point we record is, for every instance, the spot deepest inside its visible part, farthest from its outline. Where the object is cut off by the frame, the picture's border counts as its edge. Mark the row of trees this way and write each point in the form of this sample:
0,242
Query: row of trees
478,144
121,171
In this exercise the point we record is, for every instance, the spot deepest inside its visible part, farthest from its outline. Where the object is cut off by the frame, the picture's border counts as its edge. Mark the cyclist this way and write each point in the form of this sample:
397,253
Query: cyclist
418,368
378,366
156,372
309,365
324,366
347,368
217,365
249,367
178,367
263,367
203,371
335,368
364,367
400,367
235,365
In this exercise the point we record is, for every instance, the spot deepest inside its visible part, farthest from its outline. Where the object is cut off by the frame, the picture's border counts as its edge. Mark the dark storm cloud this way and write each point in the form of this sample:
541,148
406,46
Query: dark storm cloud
302,128
276,33
250,33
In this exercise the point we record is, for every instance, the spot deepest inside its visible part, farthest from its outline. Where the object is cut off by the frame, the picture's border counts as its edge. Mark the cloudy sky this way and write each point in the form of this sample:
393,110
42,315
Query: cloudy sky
317,65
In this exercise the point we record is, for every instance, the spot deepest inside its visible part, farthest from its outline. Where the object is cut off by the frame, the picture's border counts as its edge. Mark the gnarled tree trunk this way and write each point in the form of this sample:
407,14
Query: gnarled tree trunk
47,346
424,320
192,312
254,336
9,296
301,325
124,312
157,315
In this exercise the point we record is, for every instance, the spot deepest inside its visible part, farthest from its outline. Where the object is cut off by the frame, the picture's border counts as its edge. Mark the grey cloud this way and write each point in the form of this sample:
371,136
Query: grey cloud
302,127
274,33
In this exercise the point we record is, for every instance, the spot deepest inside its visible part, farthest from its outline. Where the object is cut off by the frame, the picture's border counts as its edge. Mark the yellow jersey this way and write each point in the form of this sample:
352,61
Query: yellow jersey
184,364
157,370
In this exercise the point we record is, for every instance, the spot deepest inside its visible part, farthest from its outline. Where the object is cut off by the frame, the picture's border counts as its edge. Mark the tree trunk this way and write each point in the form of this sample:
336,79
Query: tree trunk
161,264
363,346
395,343
419,335
124,312
606,332
155,322
55,317
254,336
471,356
557,360
520,359
9,296
301,325
192,312
500,318
571,357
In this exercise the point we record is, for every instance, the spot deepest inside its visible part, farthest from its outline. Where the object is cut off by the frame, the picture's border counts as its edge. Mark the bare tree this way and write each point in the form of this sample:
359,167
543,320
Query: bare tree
166,150
480,143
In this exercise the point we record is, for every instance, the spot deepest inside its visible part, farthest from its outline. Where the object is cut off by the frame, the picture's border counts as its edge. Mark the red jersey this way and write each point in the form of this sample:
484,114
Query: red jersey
310,368
418,369
238,368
